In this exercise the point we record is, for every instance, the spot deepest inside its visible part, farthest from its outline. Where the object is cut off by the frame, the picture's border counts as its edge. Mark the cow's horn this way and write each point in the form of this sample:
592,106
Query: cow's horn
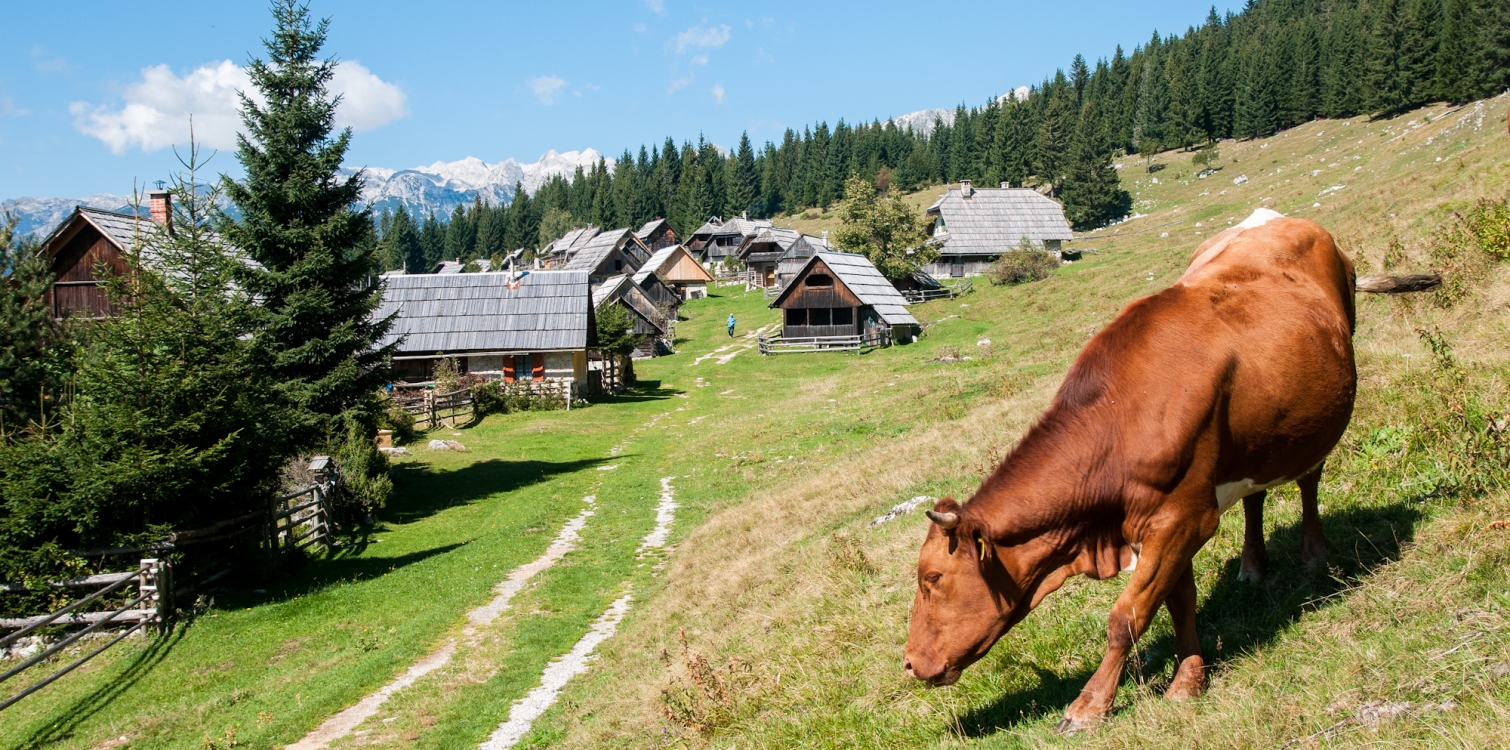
945,521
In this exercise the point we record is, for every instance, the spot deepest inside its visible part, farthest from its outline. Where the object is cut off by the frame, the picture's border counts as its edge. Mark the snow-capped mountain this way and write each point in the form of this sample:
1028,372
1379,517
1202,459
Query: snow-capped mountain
922,121
39,215
443,186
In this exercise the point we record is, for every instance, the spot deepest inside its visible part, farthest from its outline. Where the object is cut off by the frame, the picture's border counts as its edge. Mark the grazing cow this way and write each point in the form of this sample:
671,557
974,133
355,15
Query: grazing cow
1237,378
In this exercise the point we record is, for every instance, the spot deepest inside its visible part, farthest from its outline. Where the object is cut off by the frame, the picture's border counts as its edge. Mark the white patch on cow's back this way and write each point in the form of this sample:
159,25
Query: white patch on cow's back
1260,217
1228,494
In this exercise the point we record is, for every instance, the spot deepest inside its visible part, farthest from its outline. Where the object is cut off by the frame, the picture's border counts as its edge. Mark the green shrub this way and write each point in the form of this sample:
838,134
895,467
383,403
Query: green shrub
365,485
1465,249
1026,263
497,397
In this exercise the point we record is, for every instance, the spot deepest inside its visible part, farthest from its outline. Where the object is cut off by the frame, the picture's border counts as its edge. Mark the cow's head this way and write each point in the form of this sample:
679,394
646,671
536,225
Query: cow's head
965,600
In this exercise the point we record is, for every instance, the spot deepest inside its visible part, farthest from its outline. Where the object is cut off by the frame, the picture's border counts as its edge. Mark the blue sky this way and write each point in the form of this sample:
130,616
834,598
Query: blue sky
92,96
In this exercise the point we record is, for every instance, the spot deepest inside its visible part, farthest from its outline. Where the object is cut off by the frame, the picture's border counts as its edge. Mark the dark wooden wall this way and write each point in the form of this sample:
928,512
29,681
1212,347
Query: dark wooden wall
76,267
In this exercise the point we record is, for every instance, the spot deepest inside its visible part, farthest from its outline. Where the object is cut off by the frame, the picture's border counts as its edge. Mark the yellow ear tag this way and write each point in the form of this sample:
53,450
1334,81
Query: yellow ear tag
982,542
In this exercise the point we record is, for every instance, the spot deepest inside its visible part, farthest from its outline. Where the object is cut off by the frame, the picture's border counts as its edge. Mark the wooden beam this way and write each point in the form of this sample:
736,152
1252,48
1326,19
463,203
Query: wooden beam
1398,284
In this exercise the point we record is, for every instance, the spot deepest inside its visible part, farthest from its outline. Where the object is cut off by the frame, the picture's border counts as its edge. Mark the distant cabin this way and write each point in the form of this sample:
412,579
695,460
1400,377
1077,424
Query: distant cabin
538,327
648,322
89,245
972,227
679,270
609,253
661,294
657,234
842,294
765,252
795,257
717,240
557,254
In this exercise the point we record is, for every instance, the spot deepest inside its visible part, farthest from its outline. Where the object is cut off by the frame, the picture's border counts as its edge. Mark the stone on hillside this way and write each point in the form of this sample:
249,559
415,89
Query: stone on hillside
439,445
395,451
455,446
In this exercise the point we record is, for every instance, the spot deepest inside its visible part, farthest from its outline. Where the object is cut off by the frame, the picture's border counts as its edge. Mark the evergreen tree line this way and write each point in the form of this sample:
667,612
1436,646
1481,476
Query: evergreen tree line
1273,65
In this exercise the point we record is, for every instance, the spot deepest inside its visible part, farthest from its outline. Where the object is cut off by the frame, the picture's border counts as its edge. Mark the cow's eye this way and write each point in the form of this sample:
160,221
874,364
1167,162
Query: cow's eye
933,578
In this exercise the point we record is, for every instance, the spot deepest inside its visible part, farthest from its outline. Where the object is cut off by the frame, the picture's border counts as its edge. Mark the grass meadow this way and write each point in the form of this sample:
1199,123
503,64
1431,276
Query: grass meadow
776,617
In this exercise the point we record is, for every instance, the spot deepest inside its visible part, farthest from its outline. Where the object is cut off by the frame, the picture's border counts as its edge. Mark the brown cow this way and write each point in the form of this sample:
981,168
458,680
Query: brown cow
1237,378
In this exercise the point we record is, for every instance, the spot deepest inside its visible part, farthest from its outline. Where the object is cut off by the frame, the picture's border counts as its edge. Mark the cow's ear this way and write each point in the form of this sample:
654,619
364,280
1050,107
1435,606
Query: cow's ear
946,521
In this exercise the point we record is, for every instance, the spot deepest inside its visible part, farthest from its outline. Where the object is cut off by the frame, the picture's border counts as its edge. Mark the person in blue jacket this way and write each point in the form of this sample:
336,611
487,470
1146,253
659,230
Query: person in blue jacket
731,325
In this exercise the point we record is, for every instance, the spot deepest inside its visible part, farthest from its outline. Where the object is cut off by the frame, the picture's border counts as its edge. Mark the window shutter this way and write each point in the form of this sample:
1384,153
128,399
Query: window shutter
508,369
539,361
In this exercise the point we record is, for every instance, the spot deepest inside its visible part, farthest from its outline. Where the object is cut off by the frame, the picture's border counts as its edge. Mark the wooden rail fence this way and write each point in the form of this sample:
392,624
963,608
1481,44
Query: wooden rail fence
295,521
947,291
781,345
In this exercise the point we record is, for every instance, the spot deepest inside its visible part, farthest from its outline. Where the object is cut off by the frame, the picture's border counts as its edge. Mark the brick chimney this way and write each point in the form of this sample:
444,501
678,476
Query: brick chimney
965,191
160,204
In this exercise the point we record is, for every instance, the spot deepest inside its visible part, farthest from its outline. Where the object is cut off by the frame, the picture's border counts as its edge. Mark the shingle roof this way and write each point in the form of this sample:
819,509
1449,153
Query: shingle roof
478,312
122,228
994,220
572,241
737,225
592,254
860,276
622,289
650,226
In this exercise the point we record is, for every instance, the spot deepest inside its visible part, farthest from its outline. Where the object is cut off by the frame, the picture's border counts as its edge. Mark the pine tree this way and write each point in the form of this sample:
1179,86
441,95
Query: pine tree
1388,85
432,239
402,244
1092,193
458,233
299,219
33,349
1053,139
743,182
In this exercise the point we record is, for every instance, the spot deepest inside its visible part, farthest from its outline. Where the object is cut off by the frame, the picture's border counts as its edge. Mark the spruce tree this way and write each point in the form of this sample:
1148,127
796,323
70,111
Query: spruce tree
1092,193
743,182
33,348
300,221
459,233
402,242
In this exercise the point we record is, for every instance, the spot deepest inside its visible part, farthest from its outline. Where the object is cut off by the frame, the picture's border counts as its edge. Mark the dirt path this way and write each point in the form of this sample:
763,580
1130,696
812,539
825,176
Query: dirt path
559,672
343,723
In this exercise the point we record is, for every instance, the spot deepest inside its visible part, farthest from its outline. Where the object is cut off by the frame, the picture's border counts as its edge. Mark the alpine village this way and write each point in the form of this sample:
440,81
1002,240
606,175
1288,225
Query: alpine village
1163,403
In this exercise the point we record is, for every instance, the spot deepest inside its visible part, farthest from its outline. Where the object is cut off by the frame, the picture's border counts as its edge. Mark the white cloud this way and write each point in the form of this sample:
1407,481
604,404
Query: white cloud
680,83
158,107
700,60
701,37
545,87
656,6
718,93
639,28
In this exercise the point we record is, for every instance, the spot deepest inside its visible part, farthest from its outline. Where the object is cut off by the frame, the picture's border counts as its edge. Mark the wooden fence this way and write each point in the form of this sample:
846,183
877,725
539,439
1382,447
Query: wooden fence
431,409
295,521
149,607
948,291
780,345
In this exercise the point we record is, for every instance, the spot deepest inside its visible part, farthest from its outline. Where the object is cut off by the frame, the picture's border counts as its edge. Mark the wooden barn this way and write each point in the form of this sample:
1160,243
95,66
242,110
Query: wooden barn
647,319
679,270
609,253
843,295
765,253
972,227
559,253
536,327
717,240
661,294
89,241
657,234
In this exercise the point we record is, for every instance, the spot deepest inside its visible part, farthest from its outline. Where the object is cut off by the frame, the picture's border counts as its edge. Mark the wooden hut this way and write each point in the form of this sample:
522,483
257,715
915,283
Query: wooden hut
795,257
536,325
661,294
609,253
678,269
557,254
973,227
657,234
717,241
842,295
88,241
648,322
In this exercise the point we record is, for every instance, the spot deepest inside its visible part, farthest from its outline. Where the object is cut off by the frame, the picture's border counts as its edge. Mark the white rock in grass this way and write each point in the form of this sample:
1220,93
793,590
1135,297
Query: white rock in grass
901,508
438,445
1240,179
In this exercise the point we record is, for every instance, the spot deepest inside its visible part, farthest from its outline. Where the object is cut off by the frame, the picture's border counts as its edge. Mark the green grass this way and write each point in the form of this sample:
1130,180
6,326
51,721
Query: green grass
777,618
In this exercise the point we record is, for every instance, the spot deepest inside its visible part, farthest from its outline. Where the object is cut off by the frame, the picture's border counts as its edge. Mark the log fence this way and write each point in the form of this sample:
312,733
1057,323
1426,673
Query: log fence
770,345
948,291
292,522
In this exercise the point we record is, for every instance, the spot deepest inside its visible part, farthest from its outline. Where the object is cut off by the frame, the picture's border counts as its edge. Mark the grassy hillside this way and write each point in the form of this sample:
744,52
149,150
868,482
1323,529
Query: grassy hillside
778,615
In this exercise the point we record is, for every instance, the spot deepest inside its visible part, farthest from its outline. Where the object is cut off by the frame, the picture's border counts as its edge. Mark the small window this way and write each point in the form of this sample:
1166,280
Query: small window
618,265
796,317
818,316
820,279
844,316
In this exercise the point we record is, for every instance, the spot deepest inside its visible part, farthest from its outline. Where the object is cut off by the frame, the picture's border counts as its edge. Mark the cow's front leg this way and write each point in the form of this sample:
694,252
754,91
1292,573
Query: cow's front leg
1312,538
1164,562
1255,555
1190,674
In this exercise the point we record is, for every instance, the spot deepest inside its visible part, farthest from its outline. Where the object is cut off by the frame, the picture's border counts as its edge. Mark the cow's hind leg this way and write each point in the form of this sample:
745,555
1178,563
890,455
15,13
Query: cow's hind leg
1255,556
1190,673
1312,539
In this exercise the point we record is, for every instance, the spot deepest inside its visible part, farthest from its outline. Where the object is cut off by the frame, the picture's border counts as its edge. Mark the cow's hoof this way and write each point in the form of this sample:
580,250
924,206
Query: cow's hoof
1254,575
1188,683
1313,556
1068,726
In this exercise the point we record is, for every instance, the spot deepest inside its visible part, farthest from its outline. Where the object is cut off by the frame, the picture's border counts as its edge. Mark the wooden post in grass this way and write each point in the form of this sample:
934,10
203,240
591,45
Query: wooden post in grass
1398,284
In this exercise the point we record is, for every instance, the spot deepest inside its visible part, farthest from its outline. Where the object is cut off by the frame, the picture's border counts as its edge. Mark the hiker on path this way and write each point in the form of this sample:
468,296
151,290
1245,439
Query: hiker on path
731,325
